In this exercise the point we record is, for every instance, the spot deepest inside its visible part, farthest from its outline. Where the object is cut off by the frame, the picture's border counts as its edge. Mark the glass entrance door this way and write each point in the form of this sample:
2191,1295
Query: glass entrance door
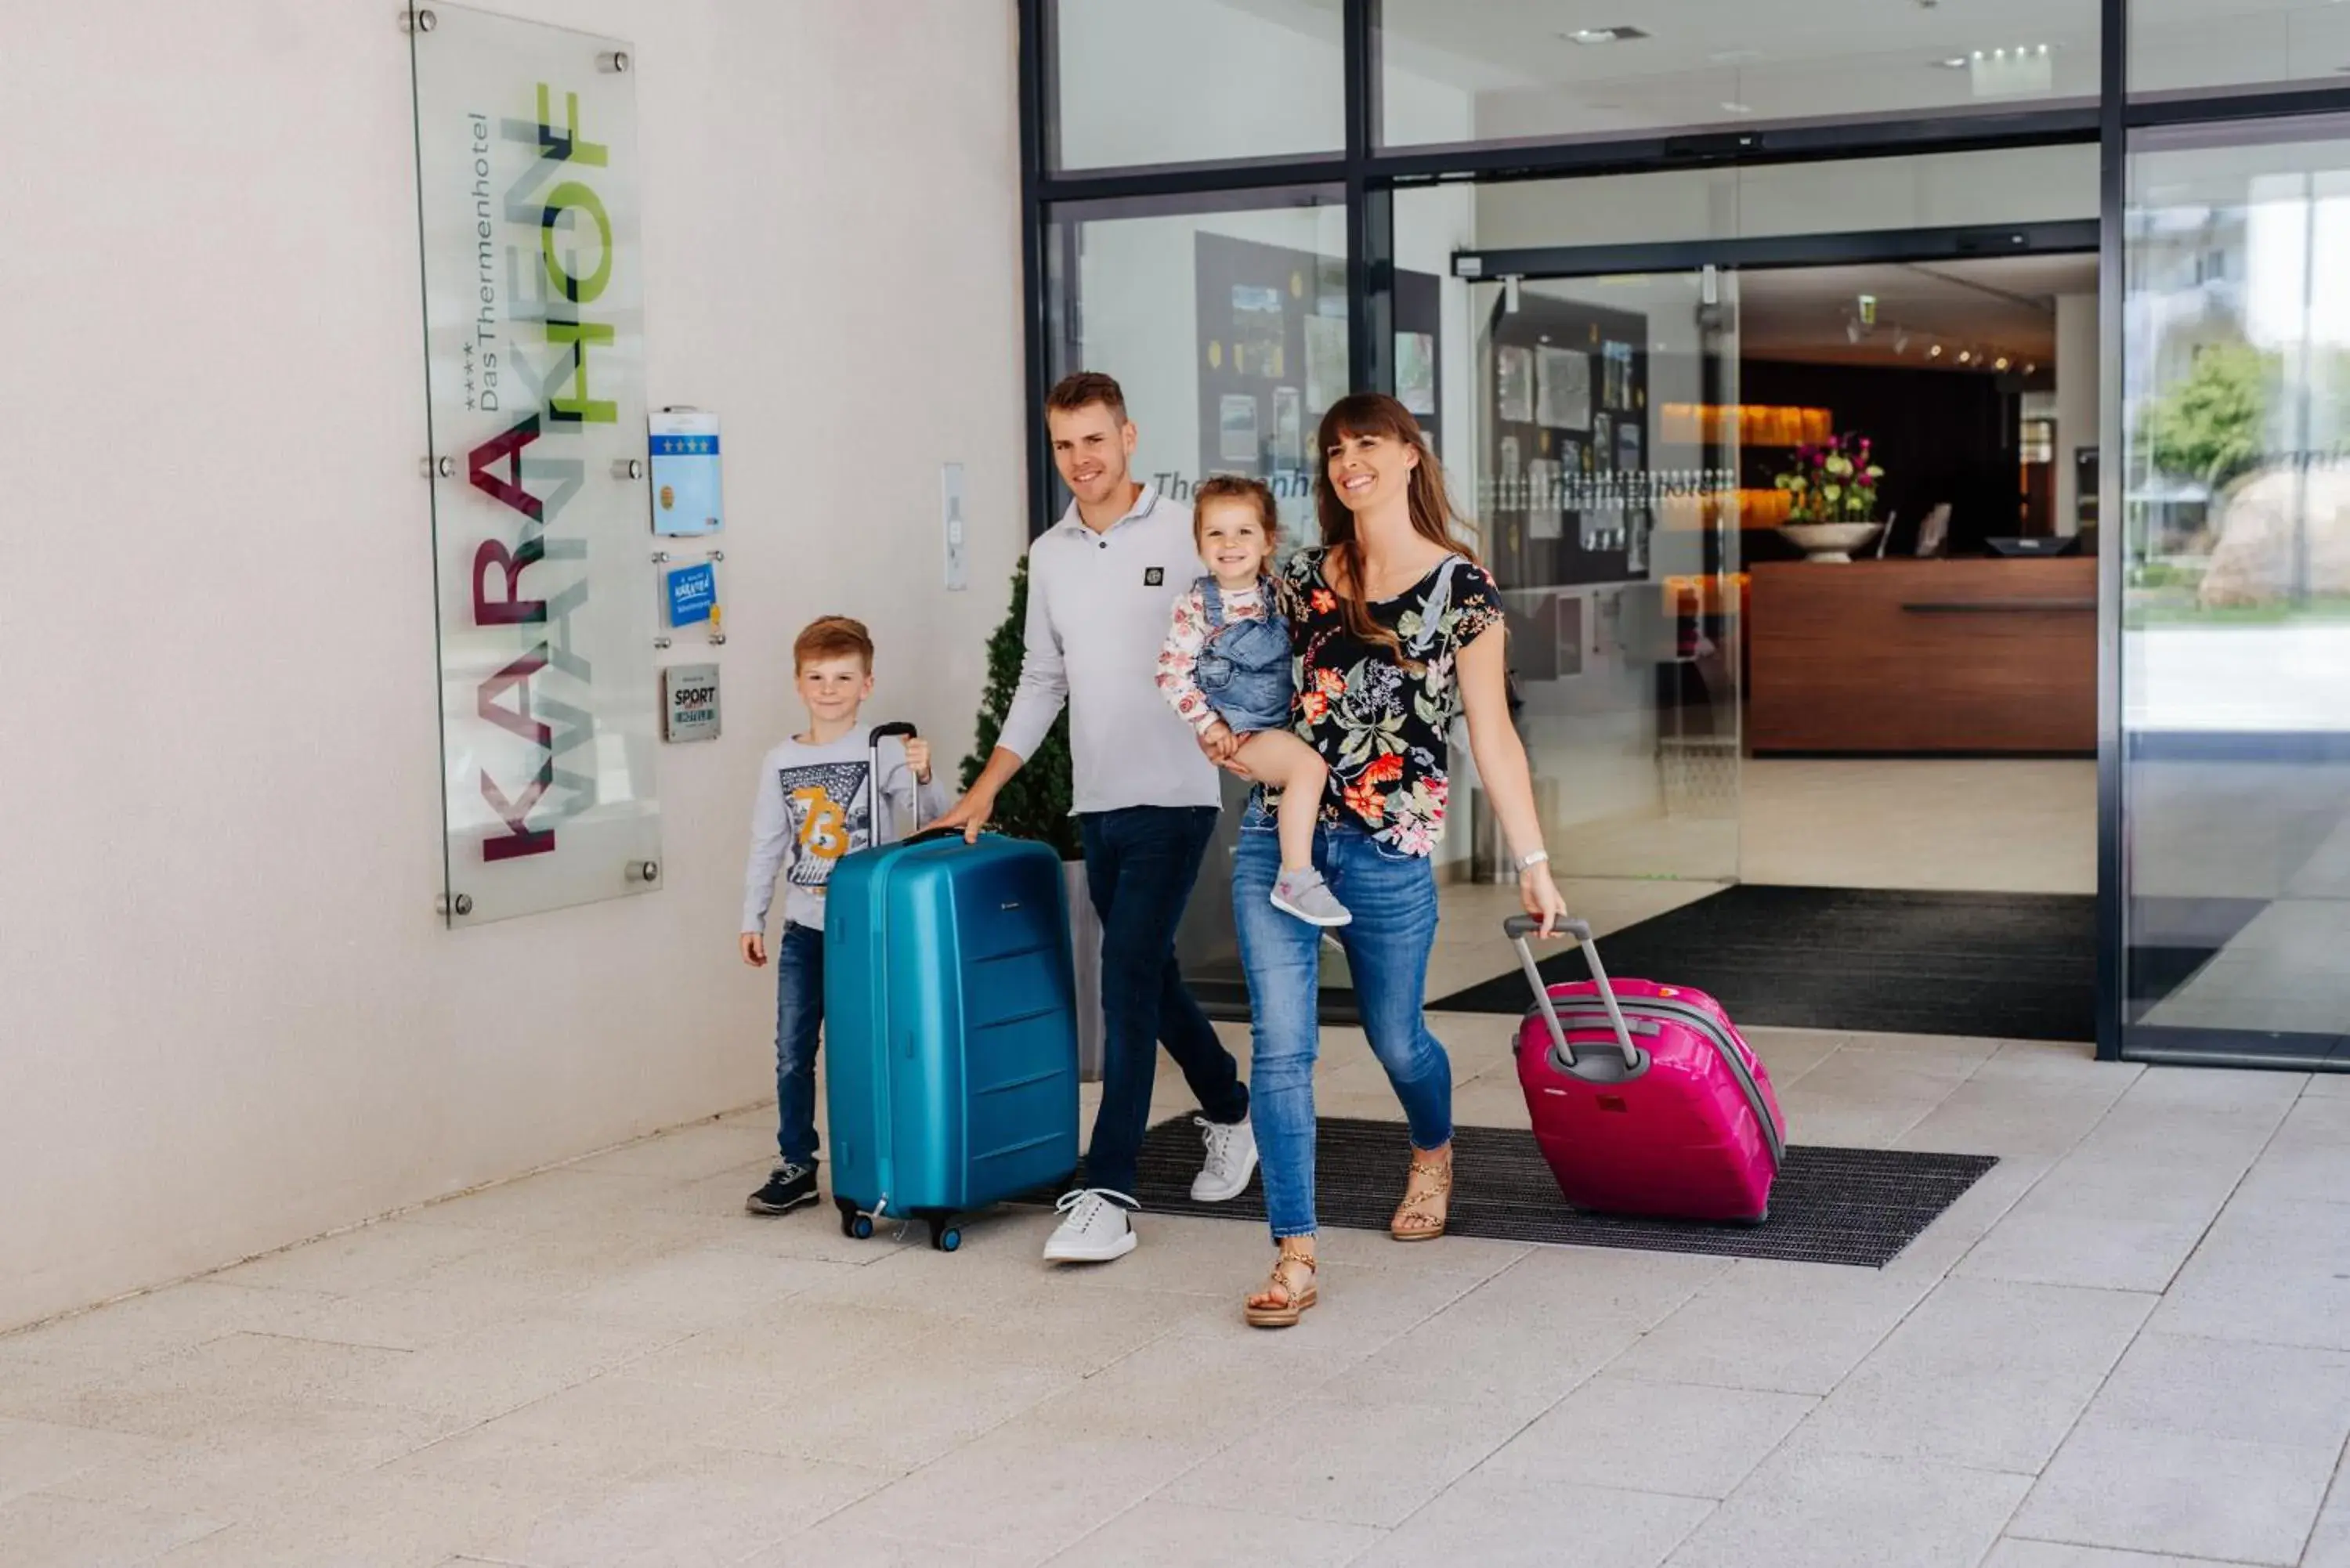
1605,486
2236,596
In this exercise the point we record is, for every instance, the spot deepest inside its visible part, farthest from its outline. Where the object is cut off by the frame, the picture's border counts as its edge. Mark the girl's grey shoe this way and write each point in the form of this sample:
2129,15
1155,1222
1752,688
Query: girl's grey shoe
1305,894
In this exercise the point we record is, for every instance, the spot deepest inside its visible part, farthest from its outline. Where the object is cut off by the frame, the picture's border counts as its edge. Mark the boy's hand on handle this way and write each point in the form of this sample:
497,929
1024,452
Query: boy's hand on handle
754,949
970,813
917,757
1541,898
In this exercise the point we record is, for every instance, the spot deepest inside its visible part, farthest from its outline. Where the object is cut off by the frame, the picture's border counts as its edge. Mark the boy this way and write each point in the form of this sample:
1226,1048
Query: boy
815,804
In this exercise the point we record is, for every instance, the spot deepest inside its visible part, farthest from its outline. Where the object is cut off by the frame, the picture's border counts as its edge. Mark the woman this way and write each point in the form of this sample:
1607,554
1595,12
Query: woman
1396,630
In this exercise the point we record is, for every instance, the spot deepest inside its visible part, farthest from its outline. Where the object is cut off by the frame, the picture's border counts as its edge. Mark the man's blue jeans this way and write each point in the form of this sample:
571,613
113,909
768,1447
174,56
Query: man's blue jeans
1392,897
799,1017
1141,863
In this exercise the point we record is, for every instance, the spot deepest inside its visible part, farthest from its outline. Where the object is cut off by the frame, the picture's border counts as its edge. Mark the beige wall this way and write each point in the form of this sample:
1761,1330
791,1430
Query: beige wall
228,1017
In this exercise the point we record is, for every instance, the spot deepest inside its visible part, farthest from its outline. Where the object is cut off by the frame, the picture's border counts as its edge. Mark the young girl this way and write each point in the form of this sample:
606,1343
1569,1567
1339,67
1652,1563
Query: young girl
1226,669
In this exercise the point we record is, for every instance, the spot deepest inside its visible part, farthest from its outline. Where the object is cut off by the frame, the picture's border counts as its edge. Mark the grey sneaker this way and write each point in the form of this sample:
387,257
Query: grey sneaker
1305,894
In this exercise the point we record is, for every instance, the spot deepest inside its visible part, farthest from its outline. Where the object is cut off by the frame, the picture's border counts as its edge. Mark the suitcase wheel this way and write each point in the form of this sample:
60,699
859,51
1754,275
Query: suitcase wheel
852,1224
945,1235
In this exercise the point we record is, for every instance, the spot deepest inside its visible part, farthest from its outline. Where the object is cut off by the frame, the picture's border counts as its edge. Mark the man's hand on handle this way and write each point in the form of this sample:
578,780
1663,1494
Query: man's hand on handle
917,757
969,815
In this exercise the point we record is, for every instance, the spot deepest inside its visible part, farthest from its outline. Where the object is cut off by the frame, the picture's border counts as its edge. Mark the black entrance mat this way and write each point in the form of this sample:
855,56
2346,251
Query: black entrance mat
1853,1206
2005,966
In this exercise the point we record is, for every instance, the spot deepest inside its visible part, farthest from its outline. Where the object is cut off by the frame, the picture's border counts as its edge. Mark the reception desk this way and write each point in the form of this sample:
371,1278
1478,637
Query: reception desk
1966,655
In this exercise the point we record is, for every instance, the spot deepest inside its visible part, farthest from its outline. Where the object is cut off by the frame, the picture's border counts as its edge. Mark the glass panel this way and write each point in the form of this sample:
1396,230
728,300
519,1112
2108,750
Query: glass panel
1191,81
1611,521
526,167
2236,642
1952,190
1504,71
2190,47
1226,326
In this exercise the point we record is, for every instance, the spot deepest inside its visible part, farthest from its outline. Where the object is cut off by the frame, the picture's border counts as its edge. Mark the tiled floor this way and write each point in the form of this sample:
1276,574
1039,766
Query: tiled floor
2128,1347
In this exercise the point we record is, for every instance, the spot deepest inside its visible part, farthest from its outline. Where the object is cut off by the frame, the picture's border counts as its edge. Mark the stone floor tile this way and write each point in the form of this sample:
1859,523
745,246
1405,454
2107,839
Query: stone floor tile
369,1258
694,1508
42,1530
1983,1374
2050,1555
484,1374
1329,1457
125,1336
2186,1494
2237,1389
1027,1486
1157,1534
1500,1521
1637,1435
904,1412
841,1543
36,1455
1792,1328
1808,1509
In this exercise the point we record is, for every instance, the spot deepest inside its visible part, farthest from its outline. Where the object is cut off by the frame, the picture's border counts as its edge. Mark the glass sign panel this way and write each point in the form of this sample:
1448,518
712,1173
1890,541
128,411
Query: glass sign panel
527,196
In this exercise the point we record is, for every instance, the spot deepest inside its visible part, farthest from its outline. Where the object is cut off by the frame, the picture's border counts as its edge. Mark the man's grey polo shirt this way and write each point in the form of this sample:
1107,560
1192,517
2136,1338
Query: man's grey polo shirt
1098,609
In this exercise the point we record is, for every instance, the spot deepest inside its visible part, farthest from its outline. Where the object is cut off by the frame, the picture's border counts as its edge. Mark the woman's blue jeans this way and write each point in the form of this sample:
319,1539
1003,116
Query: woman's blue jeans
1392,897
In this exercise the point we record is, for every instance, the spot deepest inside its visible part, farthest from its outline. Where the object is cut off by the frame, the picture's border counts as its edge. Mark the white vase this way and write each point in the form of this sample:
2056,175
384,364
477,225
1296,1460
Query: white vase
1829,541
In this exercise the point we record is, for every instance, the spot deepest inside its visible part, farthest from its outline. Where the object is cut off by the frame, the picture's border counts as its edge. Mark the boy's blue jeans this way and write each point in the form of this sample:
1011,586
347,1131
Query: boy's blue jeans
799,1017
1392,897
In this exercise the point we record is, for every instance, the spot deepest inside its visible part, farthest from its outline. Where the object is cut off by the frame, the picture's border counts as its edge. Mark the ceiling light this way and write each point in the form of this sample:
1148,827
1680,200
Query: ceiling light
2000,363
1732,107
1603,34
1965,357
2028,370
1900,341
1935,352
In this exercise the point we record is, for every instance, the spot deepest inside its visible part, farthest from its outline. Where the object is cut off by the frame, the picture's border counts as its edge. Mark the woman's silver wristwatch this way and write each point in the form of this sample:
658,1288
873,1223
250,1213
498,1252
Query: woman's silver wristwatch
1528,862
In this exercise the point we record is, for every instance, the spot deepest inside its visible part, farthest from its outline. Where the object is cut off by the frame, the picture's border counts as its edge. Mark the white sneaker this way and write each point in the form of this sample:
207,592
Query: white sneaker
1232,1160
1093,1227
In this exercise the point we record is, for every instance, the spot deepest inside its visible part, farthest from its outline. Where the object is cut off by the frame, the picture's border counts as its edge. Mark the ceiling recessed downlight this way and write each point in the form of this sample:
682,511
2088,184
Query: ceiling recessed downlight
1603,34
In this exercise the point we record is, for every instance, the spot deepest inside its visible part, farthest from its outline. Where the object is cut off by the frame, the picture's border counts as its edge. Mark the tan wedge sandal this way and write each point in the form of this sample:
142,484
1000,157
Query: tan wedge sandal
1421,1217
1294,1298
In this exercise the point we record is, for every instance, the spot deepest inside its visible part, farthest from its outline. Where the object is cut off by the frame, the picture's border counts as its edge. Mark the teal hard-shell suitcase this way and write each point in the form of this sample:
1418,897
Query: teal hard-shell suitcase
950,1028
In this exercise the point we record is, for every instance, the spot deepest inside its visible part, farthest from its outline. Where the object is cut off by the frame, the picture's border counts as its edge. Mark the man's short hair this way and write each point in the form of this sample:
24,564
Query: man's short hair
1083,389
832,637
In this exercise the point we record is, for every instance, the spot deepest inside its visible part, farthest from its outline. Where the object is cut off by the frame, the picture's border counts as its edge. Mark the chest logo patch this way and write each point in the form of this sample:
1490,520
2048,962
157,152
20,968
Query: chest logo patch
1154,577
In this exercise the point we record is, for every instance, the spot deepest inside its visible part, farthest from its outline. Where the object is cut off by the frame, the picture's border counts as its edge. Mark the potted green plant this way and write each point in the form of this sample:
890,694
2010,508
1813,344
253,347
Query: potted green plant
1036,804
1832,498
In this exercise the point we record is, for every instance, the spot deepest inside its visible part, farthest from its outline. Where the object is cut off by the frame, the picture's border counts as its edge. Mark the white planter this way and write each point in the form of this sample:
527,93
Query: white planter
1085,946
1829,541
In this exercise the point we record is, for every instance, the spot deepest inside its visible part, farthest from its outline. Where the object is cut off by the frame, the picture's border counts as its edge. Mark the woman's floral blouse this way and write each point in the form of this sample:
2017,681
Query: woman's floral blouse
1380,726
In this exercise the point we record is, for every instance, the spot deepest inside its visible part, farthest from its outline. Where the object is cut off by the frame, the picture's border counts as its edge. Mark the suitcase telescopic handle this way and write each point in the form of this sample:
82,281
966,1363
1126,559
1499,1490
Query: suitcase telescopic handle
873,738
1518,928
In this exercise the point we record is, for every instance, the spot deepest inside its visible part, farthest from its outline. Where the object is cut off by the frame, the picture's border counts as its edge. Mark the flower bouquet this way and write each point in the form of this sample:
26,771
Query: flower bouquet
1831,498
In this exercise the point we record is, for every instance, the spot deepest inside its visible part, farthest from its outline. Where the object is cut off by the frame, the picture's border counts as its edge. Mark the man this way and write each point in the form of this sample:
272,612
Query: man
1101,586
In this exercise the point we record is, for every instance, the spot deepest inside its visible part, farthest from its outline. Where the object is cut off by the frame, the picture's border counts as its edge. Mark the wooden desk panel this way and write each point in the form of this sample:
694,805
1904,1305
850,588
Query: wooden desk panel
1923,655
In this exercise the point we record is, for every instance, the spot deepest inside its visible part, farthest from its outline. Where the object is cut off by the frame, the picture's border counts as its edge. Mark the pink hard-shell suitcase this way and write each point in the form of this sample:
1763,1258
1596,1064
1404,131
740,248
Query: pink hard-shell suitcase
1645,1099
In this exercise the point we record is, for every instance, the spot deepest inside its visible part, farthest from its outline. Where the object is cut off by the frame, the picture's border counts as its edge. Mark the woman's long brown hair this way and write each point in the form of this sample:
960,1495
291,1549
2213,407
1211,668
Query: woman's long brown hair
1377,414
